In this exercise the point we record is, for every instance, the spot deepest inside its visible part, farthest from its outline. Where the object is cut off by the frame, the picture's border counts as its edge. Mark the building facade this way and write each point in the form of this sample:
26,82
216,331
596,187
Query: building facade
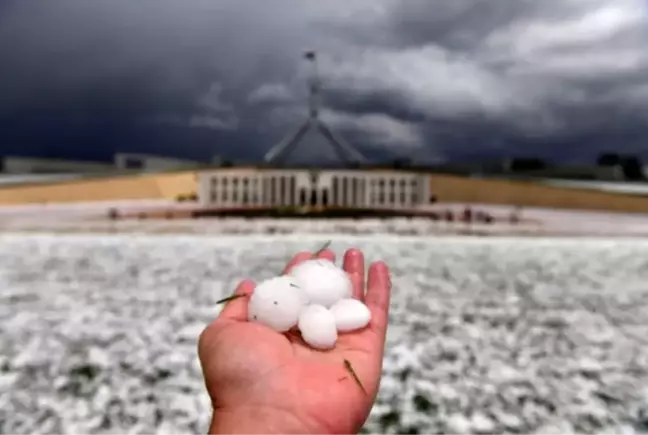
241,187
31,165
146,162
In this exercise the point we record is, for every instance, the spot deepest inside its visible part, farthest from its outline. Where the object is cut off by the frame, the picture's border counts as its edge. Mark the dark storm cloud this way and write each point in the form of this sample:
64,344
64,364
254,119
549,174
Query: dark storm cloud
428,78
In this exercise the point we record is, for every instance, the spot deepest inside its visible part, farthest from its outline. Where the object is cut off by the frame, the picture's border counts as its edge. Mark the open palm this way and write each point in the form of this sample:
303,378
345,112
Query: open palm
262,381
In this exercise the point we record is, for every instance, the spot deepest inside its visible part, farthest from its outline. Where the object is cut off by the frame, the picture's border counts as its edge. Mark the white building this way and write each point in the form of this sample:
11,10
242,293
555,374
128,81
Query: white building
31,165
147,162
251,187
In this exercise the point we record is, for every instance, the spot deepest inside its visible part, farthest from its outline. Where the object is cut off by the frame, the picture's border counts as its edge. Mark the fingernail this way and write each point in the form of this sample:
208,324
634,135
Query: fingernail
354,253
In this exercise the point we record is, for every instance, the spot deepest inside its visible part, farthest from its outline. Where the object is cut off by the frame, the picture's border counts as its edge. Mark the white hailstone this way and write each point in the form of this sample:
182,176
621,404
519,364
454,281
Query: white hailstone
276,302
350,315
317,327
323,282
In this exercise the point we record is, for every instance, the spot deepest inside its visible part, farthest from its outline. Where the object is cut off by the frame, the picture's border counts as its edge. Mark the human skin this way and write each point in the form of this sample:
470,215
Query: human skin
262,381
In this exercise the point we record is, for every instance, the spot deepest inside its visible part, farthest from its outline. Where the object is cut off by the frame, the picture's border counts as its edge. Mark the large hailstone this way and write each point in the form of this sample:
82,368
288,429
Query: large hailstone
316,297
317,327
277,302
350,315
322,281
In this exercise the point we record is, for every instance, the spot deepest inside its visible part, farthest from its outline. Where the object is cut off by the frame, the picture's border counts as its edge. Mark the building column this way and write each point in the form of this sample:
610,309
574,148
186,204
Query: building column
358,192
276,191
251,190
425,182
397,189
408,193
254,189
368,191
204,189
349,191
264,190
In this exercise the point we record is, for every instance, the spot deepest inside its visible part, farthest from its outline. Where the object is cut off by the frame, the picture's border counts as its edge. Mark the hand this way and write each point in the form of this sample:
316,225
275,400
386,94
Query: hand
262,381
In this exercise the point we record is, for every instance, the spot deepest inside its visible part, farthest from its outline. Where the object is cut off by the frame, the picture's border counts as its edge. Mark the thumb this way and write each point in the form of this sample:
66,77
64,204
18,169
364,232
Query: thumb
237,307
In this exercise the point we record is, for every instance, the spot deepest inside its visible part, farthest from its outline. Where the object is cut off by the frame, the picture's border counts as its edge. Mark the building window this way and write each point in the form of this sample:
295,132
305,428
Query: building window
381,192
225,186
293,190
414,191
283,185
253,191
266,190
392,191
273,190
335,186
355,195
133,163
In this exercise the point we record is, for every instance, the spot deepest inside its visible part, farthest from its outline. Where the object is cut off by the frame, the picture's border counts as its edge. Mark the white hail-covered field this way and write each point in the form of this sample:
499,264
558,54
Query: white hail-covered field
98,333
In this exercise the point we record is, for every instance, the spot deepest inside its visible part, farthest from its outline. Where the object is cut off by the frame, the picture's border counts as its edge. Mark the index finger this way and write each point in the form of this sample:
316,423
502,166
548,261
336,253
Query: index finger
378,297
298,258
326,254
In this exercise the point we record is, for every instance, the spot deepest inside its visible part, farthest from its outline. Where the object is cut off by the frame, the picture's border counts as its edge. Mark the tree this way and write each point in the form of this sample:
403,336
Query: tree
527,164
632,168
608,159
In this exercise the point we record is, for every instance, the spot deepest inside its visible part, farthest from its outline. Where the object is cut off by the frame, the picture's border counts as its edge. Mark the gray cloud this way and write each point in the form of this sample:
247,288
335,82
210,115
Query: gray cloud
427,78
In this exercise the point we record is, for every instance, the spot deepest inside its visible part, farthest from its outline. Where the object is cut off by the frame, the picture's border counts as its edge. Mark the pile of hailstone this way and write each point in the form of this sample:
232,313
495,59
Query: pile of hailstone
316,297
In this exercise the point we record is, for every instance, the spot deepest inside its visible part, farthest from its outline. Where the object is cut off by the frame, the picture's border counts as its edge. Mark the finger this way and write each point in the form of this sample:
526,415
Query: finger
327,254
354,265
378,297
237,309
302,256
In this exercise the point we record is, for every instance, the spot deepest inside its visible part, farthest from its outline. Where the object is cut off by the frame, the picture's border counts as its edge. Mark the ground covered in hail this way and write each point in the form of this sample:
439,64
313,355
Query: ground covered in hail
98,333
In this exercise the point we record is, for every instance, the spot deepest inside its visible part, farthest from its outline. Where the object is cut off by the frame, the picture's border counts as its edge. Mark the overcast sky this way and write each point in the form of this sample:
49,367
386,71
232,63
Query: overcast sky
429,79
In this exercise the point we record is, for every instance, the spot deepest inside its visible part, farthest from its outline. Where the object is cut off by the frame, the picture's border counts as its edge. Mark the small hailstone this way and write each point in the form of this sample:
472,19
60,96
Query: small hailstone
317,326
323,282
350,315
457,423
276,302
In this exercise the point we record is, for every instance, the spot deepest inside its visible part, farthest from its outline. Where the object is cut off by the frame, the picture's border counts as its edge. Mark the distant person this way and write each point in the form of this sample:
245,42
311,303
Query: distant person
261,381
467,215
515,215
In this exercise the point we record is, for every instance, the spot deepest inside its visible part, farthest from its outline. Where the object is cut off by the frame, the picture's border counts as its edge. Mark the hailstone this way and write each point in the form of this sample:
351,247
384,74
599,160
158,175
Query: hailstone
350,315
317,327
322,281
277,303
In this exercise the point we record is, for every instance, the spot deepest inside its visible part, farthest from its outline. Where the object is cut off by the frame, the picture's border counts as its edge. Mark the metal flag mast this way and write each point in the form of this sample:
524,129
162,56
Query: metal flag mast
285,147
